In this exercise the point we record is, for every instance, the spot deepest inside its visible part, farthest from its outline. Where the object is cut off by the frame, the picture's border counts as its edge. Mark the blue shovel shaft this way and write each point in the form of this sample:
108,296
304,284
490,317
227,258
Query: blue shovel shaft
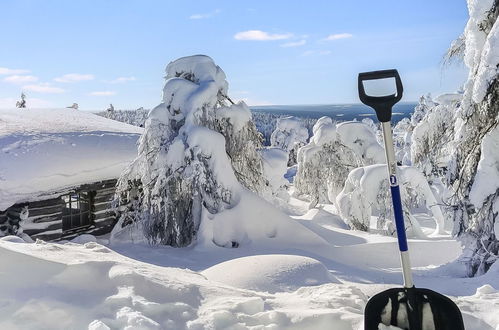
397,204
399,218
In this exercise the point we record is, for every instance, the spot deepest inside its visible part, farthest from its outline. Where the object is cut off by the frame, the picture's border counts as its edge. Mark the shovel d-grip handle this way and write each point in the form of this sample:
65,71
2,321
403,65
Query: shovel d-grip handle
381,104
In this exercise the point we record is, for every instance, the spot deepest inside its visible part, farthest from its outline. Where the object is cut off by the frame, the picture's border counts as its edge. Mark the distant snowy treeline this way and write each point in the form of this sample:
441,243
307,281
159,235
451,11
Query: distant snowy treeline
133,117
265,122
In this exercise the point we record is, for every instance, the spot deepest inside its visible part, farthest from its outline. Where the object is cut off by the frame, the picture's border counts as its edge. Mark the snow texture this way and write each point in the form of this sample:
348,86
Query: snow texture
50,151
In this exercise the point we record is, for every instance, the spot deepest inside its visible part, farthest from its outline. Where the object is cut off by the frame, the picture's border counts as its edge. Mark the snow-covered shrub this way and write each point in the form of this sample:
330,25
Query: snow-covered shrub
195,152
366,193
275,165
473,171
289,135
266,122
333,151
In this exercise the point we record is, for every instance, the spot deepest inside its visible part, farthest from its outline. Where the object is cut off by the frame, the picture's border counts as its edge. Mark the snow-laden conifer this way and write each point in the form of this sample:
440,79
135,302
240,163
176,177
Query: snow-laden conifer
195,152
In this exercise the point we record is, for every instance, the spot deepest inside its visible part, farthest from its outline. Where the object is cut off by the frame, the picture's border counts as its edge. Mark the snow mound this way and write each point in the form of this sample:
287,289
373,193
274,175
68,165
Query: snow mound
53,286
271,273
43,151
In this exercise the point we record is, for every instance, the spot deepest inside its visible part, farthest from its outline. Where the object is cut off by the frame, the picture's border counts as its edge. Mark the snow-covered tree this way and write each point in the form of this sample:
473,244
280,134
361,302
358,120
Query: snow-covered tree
110,108
430,146
73,106
275,165
333,151
290,135
473,171
366,192
195,153
22,102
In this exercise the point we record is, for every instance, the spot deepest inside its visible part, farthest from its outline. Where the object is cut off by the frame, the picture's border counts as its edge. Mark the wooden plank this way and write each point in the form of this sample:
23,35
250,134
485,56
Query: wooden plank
101,207
99,185
45,203
47,236
103,198
106,191
110,221
103,215
47,210
46,218
34,231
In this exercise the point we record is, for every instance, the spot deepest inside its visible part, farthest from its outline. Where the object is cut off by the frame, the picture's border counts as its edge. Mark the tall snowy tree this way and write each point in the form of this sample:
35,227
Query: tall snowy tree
474,171
180,169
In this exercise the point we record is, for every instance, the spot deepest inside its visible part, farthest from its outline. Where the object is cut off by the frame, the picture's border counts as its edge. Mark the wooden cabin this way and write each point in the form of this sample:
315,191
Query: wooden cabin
58,171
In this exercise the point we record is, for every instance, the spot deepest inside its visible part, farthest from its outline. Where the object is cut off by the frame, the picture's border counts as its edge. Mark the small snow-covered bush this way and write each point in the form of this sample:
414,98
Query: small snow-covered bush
333,151
275,162
290,135
367,193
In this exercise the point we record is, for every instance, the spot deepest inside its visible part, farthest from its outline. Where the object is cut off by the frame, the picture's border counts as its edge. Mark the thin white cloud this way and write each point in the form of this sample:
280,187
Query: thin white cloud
316,52
121,80
43,88
7,71
205,15
295,44
19,79
338,36
257,35
103,93
74,77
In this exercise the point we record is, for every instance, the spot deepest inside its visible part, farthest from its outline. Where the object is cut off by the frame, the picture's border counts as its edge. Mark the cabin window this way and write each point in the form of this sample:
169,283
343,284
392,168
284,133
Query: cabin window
77,212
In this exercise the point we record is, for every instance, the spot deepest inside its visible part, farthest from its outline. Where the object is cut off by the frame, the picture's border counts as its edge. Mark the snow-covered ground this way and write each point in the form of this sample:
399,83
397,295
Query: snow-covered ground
88,284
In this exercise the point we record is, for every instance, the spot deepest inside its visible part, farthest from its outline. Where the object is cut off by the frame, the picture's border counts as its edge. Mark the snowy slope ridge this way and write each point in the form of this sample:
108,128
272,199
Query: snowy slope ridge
49,150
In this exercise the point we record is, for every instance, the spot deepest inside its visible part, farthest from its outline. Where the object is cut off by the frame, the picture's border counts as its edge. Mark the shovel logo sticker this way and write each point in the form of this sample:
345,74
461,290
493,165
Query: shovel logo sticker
393,180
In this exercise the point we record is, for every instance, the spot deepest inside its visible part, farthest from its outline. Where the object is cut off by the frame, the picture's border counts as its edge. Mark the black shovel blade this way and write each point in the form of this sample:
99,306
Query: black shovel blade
414,309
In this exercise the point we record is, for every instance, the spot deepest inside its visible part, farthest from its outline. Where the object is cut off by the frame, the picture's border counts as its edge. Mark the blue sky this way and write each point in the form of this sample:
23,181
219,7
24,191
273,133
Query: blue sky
273,52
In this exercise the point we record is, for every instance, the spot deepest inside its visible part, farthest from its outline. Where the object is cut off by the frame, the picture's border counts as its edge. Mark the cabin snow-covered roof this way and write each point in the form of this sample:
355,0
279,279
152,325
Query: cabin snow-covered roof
47,151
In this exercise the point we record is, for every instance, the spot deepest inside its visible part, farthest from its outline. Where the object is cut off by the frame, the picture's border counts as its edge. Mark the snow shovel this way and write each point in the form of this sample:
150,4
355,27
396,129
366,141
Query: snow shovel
408,307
